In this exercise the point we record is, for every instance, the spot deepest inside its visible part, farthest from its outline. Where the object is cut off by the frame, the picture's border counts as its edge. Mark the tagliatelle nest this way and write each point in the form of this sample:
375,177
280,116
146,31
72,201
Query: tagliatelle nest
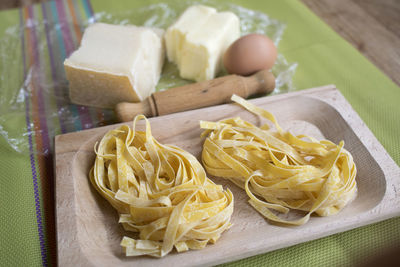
284,171
160,191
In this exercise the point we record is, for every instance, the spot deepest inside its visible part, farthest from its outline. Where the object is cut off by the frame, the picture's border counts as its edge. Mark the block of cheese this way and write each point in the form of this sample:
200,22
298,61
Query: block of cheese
115,63
197,41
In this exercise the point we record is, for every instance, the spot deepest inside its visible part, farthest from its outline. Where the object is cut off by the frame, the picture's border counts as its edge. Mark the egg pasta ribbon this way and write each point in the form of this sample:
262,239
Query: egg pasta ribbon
160,191
279,171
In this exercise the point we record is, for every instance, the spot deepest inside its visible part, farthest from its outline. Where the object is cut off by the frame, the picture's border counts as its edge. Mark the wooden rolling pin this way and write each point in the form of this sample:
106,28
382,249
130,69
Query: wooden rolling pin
197,95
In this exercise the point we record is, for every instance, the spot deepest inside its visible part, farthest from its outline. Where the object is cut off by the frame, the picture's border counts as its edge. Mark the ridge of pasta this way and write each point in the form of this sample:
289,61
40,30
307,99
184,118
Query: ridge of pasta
280,172
161,192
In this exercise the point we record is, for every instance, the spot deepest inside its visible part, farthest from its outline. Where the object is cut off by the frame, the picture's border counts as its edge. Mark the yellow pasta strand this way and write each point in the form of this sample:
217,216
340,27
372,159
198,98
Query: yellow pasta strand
160,191
279,171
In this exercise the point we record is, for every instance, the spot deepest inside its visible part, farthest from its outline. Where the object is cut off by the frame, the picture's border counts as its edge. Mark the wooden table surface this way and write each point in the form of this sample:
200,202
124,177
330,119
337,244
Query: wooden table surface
372,26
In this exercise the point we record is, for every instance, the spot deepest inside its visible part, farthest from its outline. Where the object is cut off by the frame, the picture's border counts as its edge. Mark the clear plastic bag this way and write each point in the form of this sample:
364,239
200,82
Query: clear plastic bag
164,14
34,103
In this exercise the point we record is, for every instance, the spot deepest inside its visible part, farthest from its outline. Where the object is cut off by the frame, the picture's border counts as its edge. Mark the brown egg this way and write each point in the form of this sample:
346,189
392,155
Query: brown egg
249,54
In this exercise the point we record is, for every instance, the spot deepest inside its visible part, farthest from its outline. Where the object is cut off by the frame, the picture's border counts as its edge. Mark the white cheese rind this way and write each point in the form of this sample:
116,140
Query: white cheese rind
197,41
115,63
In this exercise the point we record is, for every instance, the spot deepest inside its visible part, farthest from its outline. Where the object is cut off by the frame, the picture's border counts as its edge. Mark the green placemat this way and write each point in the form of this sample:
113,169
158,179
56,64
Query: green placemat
26,180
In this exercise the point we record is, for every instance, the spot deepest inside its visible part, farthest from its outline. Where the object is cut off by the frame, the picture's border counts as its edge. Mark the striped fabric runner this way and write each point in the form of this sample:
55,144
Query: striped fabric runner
50,32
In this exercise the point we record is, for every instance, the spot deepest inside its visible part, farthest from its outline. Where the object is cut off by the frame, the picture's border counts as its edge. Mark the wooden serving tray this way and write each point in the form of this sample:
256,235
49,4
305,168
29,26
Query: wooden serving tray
88,229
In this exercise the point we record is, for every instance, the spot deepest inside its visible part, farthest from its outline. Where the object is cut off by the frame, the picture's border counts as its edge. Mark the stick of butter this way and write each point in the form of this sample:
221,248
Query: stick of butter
197,41
114,64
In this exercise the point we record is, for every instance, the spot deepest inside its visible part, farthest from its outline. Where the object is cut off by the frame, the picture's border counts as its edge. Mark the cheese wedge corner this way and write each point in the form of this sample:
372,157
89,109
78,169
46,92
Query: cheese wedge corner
113,64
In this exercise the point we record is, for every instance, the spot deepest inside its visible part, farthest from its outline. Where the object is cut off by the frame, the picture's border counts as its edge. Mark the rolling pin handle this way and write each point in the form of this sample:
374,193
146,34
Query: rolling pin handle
127,111
261,83
198,95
